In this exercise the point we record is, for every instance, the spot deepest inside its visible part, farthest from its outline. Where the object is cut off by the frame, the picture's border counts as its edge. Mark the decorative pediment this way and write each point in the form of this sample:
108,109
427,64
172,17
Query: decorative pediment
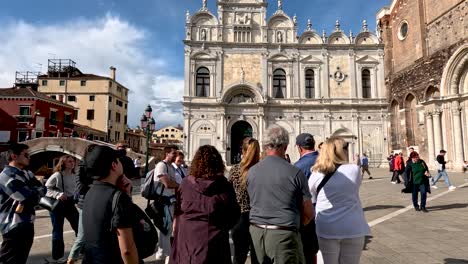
367,60
203,56
279,58
310,60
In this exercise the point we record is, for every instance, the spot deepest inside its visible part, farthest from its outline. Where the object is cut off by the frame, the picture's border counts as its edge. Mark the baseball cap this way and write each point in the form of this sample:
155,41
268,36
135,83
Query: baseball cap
305,140
99,160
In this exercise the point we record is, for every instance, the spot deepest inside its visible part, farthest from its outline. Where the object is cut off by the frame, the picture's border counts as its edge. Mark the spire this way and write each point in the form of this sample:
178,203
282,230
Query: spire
365,27
337,25
351,35
324,35
204,5
295,19
187,17
280,4
309,25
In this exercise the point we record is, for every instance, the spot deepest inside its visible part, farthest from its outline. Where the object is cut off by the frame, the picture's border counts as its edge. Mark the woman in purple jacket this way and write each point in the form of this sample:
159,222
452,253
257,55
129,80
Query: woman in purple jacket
206,209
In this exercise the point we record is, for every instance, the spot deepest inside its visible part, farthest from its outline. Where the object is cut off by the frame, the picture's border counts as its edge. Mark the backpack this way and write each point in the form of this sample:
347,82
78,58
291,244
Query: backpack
149,189
144,232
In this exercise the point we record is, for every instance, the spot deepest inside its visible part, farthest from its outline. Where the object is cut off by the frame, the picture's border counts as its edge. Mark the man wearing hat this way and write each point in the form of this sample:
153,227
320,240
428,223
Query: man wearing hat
103,244
305,144
440,162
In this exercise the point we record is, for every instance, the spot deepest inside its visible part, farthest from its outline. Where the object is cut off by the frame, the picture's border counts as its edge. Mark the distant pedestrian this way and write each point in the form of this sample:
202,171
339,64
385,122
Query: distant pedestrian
242,241
206,210
107,229
391,163
128,166
441,171
137,163
287,158
365,165
340,221
61,186
305,144
280,201
406,175
419,173
398,168
20,192
465,166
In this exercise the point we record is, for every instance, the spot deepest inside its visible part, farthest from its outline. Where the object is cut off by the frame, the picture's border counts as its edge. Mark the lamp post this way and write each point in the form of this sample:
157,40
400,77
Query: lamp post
147,124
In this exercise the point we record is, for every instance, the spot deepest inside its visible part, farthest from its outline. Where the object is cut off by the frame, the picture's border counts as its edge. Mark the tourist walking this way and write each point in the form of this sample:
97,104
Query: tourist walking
238,177
441,171
280,200
83,183
128,166
305,144
61,186
365,165
419,173
334,184
406,175
20,192
107,227
398,168
206,209
164,176
357,159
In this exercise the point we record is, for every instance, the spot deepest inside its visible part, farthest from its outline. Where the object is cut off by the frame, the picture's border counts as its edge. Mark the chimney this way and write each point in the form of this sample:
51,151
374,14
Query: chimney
112,72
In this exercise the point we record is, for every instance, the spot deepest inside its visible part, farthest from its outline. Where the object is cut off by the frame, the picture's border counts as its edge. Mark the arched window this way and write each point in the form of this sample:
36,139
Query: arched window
310,84
366,84
279,83
203,82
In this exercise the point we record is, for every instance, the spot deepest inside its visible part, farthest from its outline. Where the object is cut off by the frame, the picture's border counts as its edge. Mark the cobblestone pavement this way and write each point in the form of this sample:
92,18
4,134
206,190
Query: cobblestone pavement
399,234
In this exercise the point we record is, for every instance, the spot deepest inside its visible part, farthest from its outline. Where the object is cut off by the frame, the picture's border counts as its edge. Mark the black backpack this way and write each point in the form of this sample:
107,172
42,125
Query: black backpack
144,232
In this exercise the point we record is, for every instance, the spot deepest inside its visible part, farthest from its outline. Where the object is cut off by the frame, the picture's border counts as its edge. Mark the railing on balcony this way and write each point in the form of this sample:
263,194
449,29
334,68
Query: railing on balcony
23,118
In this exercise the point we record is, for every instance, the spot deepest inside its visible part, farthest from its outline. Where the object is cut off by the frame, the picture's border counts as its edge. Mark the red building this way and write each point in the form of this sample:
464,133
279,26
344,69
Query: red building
27,114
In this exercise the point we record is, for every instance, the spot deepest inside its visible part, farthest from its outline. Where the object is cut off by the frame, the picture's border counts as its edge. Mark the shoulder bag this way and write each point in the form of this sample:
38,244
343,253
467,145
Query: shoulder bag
50,203
326,179
144,232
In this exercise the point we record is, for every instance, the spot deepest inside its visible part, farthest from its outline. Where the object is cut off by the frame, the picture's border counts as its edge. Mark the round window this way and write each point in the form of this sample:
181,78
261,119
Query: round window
403,30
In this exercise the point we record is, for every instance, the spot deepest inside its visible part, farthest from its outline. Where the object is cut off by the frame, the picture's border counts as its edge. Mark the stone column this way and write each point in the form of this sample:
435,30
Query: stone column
437,130
352,73
261,126
318,83
430,134
326,78
457,131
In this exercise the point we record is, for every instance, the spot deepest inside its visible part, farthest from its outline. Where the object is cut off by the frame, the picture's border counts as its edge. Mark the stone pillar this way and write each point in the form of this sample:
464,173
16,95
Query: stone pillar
326,78
261,126
457,133
437,130
318,83
430,135
352,73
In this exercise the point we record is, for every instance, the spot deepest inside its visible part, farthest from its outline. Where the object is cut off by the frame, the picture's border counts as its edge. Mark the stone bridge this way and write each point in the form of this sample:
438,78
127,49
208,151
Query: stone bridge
73,146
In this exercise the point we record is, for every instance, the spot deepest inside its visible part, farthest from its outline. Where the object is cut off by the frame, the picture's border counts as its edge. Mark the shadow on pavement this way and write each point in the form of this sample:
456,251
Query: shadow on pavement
381,207
367,241
447,207
455,261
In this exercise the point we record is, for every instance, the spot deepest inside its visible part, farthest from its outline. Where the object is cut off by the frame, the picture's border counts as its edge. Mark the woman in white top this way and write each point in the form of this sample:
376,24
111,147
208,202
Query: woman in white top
61,186
340,222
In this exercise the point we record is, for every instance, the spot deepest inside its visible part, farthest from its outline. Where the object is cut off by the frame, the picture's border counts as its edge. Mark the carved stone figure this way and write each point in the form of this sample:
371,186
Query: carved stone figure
279,37
203,34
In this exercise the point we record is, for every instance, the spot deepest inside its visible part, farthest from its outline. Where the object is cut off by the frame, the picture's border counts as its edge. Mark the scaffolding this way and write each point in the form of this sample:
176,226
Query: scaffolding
62,68
26,79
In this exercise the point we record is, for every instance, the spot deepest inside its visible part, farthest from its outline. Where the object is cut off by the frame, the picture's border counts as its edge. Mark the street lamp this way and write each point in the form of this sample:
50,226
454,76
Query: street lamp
147,124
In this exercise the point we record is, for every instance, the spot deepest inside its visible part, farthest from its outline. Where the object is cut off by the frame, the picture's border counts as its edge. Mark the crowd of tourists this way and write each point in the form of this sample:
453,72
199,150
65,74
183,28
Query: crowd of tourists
274,211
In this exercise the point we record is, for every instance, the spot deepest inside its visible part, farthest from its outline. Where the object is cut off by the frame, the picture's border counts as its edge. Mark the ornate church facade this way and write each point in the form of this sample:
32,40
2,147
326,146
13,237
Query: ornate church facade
245,71
426,73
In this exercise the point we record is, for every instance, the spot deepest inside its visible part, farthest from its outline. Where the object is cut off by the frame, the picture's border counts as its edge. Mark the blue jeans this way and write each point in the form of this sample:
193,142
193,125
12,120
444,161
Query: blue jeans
79,240
422,189
64,210
441,173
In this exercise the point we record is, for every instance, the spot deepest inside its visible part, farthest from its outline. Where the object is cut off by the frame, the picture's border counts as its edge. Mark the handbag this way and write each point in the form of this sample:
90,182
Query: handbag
50,203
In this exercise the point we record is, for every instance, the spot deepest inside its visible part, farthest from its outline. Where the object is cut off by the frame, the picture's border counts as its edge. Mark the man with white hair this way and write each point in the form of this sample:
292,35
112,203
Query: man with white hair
280,201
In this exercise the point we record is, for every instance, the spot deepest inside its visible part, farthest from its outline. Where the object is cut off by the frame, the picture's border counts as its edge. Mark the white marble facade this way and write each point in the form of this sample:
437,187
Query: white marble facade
245,71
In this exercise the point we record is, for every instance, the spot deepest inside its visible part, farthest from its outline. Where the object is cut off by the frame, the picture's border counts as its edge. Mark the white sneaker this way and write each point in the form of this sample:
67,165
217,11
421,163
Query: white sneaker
393,182
452,188
166,261
160,256
434,187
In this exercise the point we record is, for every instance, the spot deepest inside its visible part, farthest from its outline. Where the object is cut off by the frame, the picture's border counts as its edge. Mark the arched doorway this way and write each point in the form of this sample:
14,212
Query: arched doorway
239,131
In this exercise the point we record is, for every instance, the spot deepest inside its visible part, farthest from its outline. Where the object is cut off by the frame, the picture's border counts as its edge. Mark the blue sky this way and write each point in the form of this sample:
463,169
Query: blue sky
144,40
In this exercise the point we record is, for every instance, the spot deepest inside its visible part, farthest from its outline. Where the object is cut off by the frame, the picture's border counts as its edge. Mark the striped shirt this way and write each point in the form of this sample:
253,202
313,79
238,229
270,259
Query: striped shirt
18,187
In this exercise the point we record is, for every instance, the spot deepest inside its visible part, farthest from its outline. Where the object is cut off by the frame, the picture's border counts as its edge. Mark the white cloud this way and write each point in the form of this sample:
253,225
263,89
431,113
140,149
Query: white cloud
96,45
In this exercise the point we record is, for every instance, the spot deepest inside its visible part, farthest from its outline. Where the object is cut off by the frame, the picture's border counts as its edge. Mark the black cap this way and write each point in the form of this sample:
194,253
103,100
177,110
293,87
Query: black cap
305,140
443,151
98,161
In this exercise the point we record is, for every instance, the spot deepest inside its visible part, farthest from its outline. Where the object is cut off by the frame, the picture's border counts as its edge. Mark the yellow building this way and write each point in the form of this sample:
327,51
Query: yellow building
169,134
101,102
